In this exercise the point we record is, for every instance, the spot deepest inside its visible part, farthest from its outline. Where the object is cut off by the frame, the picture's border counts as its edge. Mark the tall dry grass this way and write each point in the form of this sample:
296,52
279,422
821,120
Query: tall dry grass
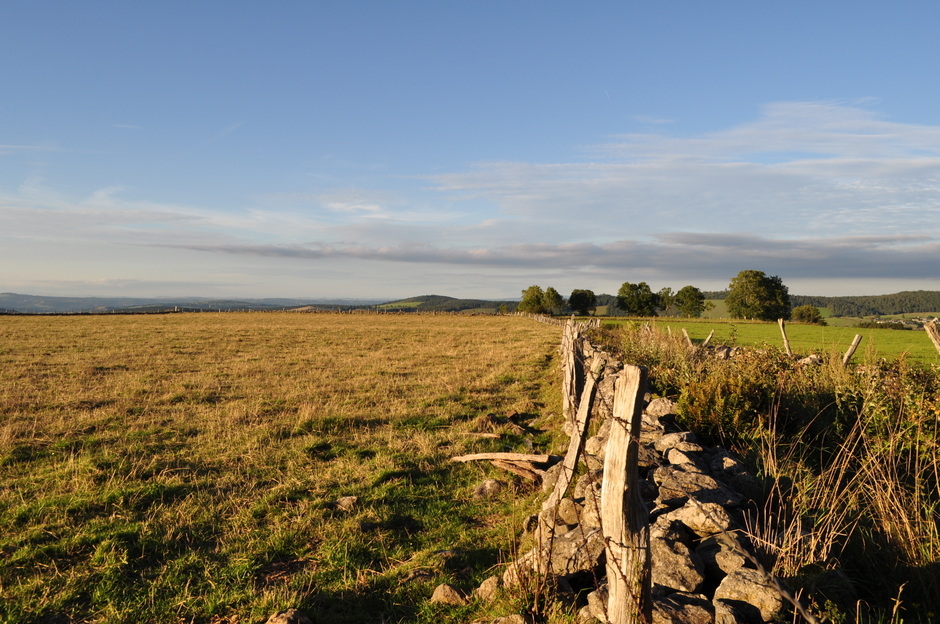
849,458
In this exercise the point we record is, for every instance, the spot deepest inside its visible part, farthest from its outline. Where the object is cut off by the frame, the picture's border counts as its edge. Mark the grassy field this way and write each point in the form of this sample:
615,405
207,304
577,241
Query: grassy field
805,339
183,468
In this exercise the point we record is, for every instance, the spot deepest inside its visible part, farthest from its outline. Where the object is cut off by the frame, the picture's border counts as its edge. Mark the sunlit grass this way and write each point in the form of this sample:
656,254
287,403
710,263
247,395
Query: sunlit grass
179,467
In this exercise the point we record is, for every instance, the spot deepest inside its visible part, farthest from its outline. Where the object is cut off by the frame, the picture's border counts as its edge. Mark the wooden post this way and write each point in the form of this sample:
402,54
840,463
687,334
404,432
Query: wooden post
623,516
786,342
709,338
688,341
569,389
848,354
934,333
576,444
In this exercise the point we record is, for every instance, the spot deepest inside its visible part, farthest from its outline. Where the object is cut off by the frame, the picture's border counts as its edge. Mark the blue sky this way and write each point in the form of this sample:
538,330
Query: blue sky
470,149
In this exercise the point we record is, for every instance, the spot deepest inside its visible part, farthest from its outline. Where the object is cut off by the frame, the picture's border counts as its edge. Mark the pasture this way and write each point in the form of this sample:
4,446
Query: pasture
185,467
804,339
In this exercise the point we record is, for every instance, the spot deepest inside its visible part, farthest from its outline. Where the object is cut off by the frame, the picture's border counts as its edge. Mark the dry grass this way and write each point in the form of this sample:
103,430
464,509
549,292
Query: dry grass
181,467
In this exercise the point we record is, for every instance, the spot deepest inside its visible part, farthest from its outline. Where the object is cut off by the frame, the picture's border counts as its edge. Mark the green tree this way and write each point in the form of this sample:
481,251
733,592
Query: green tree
583,302
808,314
552,301
666,299
690,301
637,299
532,298
754,295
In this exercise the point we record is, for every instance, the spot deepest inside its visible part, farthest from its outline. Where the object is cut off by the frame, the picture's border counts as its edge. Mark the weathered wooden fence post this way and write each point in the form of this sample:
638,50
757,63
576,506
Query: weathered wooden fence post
851,351
786,342
624,518
934,333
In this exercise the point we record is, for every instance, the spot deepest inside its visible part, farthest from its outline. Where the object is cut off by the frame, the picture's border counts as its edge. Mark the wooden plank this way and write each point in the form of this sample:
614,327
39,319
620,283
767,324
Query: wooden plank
535,459
524,470
576,444
624,520
934,332
786,342
848,354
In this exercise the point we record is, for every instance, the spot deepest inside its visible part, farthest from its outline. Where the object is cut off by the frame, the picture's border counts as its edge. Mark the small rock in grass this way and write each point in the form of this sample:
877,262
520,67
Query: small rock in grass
449,595
290,616
488,589
346,503
488,489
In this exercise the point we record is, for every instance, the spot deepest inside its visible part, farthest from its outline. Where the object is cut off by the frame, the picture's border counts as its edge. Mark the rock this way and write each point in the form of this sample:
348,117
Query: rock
597,602
488,489
346,503
684,441
550,478
719,558
682,608
661,407
810,360
578,550
448,595
585,616
569,512
750,594
676,485
290,616
703,519
725,613
488,589
675,566
515,618
684,458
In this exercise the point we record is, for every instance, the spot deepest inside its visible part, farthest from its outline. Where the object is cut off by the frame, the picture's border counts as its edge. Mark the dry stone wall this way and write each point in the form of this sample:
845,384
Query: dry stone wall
699,562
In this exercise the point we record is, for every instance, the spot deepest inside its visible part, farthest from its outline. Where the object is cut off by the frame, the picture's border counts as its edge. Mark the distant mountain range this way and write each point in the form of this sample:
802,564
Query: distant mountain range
899,303
12,302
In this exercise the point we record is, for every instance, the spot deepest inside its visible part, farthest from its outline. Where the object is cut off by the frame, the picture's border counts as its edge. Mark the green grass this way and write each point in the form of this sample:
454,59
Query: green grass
182,468
804,339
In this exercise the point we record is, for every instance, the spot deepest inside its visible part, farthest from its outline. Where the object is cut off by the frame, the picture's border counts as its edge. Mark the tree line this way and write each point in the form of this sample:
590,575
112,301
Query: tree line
750,295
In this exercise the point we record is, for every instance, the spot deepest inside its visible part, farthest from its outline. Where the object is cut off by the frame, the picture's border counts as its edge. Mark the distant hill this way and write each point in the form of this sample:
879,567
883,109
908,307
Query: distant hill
907,302
440,303
13,302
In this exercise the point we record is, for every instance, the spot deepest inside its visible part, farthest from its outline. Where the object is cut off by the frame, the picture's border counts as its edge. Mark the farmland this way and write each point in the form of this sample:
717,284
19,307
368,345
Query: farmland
185,467
804,339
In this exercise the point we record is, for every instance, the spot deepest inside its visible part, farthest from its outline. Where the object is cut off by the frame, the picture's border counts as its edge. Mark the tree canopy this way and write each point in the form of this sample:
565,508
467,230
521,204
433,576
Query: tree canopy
637,299
583,302
690,301
538,301
807,314
755,295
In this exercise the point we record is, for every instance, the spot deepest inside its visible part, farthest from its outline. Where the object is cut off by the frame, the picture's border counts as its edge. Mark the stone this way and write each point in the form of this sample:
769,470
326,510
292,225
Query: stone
682,608
585,616
725,613
597,602
703,519
488,589
515,618
684,441
677,485
578,550
346,503
684,458
448,595
750,594
719,558
290,616
675,566
488,489
661,407
810,360
550,477
569,512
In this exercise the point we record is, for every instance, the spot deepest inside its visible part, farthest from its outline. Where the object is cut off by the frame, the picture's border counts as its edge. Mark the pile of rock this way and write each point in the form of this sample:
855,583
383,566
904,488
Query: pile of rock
702,567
